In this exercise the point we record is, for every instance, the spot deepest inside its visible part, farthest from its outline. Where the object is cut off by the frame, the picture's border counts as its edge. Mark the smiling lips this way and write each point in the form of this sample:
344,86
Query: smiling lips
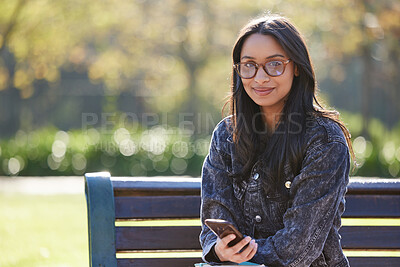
262,91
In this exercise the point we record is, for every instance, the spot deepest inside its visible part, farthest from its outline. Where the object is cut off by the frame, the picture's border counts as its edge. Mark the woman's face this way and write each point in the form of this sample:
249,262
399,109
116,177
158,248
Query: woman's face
266,91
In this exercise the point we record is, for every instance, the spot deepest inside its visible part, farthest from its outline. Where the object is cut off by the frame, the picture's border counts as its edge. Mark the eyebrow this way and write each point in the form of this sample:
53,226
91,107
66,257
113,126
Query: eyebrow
275,55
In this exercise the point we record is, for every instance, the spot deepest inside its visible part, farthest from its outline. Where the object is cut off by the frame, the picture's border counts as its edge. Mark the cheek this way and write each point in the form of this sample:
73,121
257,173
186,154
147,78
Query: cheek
287,80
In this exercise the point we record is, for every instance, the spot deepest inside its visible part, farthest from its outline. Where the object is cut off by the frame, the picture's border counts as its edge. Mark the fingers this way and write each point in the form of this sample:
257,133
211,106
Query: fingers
236,253
239,246
251,250
227,239
246,254
223,251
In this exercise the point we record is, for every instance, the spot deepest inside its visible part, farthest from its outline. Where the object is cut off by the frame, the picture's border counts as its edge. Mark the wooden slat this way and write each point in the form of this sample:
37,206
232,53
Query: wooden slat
370,237
381,186
187,237
157,238
188,185
157,207
357,206
162,262
135,186
361,202
189,262
364,206
374,261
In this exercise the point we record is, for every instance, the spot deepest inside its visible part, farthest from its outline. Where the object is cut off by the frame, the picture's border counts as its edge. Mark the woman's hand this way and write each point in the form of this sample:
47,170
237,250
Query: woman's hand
234,254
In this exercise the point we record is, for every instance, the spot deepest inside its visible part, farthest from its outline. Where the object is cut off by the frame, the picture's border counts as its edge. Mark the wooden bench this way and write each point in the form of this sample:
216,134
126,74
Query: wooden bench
146,221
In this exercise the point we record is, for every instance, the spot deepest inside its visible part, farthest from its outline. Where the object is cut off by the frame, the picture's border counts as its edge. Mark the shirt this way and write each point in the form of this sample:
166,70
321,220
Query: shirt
299,228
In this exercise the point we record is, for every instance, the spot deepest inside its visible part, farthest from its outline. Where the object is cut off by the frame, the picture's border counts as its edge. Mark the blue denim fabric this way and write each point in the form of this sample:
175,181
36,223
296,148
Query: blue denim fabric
299,230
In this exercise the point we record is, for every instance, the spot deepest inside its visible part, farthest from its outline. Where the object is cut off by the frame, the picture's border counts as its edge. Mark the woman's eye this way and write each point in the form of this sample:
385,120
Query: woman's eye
274,63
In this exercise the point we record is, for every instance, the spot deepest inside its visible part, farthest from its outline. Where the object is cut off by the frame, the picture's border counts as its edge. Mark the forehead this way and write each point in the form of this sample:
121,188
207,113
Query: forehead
260,46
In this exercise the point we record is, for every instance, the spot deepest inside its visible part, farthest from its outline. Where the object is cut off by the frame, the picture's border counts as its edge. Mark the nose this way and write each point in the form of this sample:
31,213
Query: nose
261,76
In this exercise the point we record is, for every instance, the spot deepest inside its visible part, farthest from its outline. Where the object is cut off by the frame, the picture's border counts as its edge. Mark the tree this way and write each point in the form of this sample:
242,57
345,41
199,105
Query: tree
171,56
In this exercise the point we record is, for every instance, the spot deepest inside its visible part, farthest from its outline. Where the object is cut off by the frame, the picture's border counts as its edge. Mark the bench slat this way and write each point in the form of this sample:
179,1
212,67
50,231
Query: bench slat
370,237
189,262
150,186
384,206
372,186
357,206
157,207
157,238
374,261
164,262
187,237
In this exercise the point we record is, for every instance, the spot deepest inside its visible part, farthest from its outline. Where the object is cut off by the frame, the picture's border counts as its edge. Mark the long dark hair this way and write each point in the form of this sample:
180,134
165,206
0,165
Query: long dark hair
249,132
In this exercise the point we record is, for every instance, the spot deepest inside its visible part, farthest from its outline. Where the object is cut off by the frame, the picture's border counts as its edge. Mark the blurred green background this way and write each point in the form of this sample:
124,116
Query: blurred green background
136,87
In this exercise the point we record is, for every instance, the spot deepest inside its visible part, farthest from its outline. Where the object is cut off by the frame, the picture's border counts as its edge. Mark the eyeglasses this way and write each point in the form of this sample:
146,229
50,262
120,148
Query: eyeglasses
248,70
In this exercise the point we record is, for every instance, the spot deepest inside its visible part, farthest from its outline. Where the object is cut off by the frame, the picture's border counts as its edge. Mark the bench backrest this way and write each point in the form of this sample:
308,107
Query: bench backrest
147,221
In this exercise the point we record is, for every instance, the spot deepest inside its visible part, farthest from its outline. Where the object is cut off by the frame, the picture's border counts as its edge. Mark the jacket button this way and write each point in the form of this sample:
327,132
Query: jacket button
288,184
258,218
256,175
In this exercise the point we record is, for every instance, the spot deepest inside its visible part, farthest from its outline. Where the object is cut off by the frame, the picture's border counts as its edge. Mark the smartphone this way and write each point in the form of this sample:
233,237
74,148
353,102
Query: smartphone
223,228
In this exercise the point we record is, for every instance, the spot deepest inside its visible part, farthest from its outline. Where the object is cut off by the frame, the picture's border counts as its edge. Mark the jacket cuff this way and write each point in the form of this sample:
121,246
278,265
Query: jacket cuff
211,256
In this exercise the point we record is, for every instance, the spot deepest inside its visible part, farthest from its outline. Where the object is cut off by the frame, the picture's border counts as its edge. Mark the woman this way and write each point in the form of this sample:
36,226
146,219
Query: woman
278,166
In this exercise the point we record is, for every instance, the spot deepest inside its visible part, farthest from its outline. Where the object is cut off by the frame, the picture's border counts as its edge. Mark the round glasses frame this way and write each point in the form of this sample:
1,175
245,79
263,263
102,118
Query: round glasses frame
237,68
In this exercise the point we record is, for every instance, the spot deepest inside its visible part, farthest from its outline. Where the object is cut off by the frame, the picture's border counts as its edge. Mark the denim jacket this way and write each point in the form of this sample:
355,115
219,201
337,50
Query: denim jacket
301,230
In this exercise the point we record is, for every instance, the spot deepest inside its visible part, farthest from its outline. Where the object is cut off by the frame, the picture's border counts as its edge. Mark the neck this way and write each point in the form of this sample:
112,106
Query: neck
271,118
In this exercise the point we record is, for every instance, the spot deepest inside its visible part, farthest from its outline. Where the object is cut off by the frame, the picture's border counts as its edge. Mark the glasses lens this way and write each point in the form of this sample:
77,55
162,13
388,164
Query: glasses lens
247,70
274,68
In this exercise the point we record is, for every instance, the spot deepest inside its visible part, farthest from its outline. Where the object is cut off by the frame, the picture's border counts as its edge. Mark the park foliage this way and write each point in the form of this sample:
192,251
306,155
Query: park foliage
62,60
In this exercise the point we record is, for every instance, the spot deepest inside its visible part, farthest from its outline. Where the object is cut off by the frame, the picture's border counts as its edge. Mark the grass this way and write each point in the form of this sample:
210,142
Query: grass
43,231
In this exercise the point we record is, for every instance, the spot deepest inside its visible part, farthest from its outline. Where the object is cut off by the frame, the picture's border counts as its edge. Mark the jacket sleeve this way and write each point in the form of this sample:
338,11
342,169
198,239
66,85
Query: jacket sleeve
317,192
216,191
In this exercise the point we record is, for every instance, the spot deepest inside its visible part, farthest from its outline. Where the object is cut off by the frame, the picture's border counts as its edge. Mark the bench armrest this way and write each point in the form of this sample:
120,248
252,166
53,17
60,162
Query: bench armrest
101,219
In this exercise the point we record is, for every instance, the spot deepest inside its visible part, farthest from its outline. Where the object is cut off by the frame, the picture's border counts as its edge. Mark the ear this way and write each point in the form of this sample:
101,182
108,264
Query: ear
296,71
